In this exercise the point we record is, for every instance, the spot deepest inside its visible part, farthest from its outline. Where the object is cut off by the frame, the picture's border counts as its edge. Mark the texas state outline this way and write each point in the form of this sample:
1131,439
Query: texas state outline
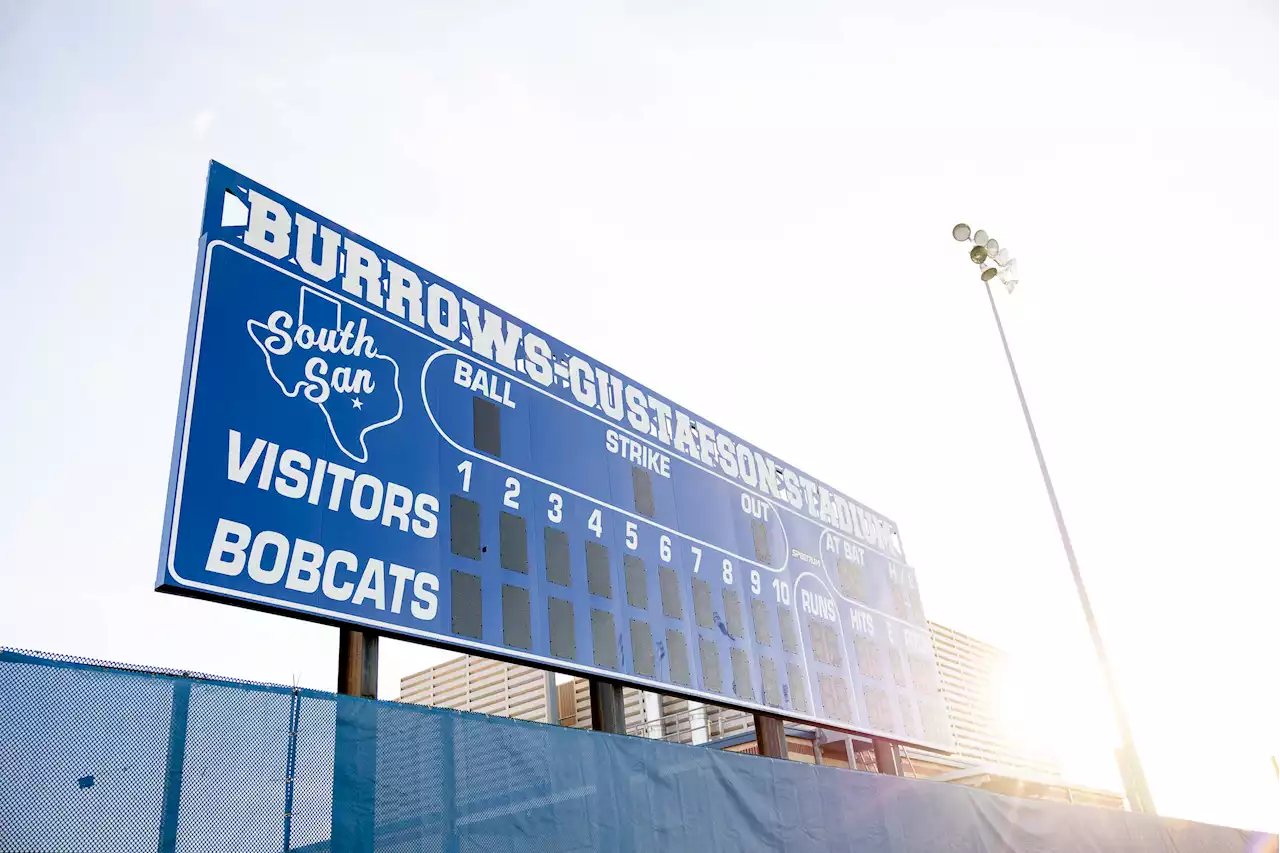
256,327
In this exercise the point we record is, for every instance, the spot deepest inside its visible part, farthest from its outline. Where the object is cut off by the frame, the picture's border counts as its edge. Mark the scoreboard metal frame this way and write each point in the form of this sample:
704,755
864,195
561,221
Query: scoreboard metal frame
472,508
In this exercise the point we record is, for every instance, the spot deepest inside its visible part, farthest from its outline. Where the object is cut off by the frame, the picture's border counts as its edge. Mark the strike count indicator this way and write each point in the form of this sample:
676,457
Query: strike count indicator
361,441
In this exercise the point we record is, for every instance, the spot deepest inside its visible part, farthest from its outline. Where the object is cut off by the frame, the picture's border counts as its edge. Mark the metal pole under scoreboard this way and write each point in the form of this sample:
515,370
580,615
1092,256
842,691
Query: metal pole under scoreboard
887,760
771,739
607,711
357,663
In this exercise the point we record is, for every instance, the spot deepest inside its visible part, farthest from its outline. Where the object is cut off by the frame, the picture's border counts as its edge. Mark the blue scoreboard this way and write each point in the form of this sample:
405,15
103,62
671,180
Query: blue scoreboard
361,441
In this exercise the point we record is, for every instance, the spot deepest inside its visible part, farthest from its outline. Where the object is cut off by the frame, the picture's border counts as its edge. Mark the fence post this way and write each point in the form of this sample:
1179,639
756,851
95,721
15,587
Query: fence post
449,782
291,764
178,713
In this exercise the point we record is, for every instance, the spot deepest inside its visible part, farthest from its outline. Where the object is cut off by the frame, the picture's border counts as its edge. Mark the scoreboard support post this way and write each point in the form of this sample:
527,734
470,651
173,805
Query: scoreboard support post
887,760
357,663
607,711
553,697
771,739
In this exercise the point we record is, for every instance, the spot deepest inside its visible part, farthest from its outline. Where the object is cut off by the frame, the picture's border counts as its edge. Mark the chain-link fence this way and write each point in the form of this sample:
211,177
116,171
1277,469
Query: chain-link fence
94,758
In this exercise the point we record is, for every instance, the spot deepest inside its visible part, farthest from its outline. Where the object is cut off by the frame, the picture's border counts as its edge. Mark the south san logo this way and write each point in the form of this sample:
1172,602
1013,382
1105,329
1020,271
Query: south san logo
334,365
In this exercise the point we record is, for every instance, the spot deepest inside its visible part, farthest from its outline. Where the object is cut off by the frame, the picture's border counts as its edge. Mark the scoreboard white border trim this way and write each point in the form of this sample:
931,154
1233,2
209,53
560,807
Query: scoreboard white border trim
554,664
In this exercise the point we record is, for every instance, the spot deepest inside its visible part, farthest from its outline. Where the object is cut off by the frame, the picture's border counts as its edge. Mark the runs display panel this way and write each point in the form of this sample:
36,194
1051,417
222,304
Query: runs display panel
360,441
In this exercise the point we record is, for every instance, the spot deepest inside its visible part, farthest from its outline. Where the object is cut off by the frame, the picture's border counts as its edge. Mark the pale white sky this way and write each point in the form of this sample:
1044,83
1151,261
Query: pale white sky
747,207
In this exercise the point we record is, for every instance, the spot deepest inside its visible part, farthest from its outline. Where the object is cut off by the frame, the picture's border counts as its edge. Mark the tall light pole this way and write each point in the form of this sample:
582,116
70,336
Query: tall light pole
996,263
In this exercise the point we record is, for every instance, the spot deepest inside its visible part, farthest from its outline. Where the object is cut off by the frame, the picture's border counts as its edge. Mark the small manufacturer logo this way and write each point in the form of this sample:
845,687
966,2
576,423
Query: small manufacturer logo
334,365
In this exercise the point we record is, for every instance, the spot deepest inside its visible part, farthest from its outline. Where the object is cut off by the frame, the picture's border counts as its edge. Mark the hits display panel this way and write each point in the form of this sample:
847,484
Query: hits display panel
360,441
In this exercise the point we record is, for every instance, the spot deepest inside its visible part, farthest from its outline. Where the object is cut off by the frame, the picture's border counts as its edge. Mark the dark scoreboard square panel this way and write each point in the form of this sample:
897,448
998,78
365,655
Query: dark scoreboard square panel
826,642
710,659
760,622
564,643
787,624
669,586
515,617
769,679
867,652
513,542
464,527
899,671
922,674
702,603
760,541
799,689
555,545
468,619
742,686
642,647
879,711
487,426
604,642
642,487
599,578
835,698
849,576
678,655
637,583
733,614
908,709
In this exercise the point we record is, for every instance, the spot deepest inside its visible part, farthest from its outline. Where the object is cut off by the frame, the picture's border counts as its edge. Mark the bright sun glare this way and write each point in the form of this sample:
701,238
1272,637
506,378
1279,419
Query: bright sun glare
1051,712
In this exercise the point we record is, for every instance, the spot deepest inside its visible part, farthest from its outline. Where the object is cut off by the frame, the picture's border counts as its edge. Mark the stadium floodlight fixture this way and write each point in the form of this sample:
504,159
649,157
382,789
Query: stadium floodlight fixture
980,237
961,232
978,254
993,248
989,273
